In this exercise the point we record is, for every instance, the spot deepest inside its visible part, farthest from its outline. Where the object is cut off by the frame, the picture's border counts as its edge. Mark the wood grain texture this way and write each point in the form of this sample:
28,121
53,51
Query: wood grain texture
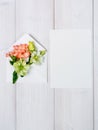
7,23
73,107
73,14
34,108
34,17
7,91
34,103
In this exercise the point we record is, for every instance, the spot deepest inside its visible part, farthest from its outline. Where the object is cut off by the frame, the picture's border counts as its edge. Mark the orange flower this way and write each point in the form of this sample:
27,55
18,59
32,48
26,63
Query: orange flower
19,51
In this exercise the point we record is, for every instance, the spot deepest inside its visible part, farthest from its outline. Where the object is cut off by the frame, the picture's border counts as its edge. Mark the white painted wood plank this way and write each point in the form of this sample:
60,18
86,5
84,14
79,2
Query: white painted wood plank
34,108
73,109
34,103
74,14
7,91
34,17
7,23
96,64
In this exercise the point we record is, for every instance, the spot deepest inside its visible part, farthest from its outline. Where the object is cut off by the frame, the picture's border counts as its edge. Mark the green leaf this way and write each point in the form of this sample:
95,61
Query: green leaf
42,53
32,46
13,58
15,77
21,76
28,62
11,62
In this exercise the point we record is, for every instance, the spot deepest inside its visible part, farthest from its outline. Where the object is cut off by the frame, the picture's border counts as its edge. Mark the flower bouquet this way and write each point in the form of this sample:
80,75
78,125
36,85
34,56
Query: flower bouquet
22,57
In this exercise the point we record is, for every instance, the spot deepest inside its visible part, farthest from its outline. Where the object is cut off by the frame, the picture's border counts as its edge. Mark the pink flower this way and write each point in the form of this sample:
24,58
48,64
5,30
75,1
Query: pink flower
19,51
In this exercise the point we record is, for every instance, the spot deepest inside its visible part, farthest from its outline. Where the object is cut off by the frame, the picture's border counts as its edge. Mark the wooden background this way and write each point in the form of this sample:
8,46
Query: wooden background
28,107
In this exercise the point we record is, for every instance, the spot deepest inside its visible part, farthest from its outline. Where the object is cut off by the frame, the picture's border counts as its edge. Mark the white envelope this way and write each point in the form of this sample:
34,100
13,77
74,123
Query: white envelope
71,59
38,73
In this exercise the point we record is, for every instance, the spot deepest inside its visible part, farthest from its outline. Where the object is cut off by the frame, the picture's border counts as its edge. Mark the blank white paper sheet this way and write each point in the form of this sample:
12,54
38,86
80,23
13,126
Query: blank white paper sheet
71,59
